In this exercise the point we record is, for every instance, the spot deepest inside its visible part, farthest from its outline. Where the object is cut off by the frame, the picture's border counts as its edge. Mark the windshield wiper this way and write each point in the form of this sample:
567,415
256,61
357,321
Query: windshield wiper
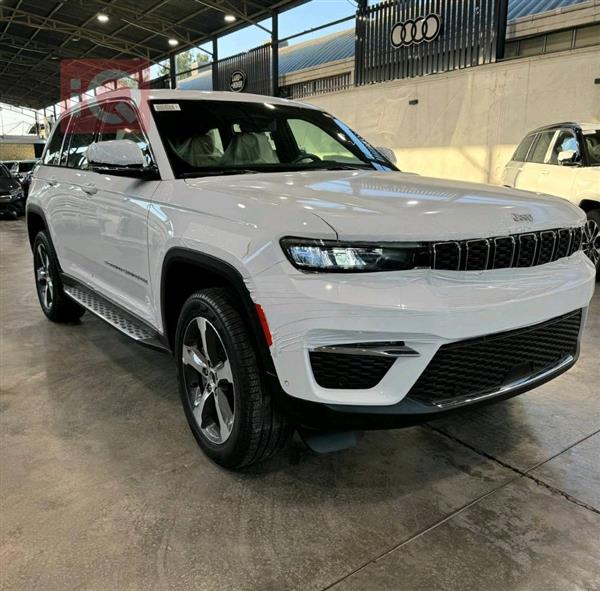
217,172
334,165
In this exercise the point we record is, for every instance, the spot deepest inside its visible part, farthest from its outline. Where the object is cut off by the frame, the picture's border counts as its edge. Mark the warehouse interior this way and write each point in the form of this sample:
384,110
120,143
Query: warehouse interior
101,480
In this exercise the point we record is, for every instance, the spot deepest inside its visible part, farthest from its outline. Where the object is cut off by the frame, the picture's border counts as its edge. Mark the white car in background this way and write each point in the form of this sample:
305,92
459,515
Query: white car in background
298,277
563,160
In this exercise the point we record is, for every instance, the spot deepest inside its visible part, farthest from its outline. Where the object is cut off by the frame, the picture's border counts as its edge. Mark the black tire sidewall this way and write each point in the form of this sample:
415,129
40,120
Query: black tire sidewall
63,309
231,453
43,240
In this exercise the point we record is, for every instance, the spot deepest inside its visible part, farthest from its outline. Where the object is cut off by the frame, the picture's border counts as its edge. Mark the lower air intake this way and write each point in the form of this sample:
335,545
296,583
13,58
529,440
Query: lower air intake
480,366
354,372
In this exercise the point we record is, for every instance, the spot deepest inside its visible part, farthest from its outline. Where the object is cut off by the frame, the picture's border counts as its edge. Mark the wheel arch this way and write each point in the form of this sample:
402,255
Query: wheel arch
589,204
36,221
184,272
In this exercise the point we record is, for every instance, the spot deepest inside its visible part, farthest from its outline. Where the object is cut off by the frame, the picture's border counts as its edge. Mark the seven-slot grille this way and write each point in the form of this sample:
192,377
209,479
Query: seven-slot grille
484,365
518,250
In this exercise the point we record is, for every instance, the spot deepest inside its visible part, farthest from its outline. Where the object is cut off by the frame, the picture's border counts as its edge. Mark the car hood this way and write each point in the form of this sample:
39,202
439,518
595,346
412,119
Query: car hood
395,205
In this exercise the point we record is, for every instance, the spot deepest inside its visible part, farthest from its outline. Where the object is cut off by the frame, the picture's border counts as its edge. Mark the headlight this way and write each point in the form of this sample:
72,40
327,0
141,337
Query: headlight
331,256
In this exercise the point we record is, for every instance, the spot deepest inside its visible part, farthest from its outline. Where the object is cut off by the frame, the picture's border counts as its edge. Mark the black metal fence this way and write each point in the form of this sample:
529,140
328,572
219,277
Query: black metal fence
406,38
246,72
333,83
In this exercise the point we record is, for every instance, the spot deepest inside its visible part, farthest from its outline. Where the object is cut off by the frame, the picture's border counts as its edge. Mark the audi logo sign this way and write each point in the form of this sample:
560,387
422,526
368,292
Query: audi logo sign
422,29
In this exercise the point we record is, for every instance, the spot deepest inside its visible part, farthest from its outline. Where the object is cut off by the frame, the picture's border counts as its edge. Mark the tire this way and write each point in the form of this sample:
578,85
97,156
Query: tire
56,305
227,405
593,239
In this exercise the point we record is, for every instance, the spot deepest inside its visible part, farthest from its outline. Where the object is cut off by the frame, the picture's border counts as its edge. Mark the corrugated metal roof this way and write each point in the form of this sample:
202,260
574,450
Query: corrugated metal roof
338,46
328,49
201,82
519,8
332,48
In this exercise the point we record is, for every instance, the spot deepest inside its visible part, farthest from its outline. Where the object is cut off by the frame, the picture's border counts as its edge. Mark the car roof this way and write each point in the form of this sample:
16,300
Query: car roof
141,96
571,124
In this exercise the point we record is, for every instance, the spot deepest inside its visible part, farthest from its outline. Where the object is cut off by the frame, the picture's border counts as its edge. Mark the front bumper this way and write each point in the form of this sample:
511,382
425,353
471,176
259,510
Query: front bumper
423,309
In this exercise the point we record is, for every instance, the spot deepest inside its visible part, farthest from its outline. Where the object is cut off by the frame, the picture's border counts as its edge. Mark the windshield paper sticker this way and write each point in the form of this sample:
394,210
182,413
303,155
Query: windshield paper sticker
167,107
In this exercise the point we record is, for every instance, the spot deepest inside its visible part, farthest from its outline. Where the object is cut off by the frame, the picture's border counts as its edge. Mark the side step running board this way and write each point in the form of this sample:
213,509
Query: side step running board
115,316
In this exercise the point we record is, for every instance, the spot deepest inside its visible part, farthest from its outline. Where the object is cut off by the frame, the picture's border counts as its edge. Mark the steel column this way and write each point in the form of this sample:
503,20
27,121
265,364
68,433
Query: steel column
275,54
215,63
501,32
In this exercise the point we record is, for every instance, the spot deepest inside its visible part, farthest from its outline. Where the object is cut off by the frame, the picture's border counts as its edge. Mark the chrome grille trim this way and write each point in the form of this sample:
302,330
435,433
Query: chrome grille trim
565,242
552,234
568,248
438,244
522,238
487,256
514,250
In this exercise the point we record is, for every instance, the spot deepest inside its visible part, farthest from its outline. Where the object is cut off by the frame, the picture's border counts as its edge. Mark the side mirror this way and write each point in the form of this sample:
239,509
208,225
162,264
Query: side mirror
568,158
387,153
117,156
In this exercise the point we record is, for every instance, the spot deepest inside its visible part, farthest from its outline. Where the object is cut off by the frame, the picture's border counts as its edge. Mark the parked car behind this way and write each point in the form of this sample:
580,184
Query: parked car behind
21,170
564,160
12,198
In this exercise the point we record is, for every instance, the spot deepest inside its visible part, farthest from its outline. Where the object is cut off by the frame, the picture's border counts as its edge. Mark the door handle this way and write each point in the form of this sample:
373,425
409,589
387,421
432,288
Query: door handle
90,188
52,181
544,172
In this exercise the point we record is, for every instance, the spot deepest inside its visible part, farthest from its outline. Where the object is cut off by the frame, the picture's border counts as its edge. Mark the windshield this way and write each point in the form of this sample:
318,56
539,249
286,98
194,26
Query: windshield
4,172
592,142
227,137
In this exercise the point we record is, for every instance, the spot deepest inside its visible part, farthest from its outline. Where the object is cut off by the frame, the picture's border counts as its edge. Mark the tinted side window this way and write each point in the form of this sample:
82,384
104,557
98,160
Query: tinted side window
523,148
538,153
120,122
52,152
566,140
80,135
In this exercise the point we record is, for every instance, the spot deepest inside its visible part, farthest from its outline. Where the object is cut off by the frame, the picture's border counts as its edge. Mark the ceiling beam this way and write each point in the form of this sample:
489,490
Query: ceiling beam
10,19
20,17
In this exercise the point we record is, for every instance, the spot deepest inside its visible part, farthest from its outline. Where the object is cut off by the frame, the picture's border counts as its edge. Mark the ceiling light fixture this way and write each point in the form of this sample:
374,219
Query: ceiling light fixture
229,18
103,18
173,42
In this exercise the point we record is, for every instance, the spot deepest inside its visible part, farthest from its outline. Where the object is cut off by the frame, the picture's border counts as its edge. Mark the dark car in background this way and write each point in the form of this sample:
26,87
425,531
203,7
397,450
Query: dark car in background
21,170
12,197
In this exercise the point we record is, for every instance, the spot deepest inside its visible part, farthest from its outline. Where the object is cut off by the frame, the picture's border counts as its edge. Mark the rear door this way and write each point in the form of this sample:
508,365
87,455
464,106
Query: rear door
514,167
528,178
118,234
52,187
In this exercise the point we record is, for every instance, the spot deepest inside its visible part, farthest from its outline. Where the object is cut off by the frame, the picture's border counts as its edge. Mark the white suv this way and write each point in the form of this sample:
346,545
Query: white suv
299,279
564,160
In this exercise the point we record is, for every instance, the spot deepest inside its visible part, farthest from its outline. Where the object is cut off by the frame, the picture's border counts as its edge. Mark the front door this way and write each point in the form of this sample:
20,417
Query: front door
121,204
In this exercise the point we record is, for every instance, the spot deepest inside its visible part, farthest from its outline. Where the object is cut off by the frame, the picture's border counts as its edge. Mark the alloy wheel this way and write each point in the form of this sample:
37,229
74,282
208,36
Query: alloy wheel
208,380
591,241
43,276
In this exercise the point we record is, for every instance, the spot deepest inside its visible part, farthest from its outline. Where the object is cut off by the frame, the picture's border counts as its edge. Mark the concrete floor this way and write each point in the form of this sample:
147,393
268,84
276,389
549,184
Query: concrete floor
102,485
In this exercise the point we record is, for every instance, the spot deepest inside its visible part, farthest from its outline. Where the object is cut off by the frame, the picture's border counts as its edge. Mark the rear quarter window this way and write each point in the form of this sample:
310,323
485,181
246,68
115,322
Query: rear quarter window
540,149
522,149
